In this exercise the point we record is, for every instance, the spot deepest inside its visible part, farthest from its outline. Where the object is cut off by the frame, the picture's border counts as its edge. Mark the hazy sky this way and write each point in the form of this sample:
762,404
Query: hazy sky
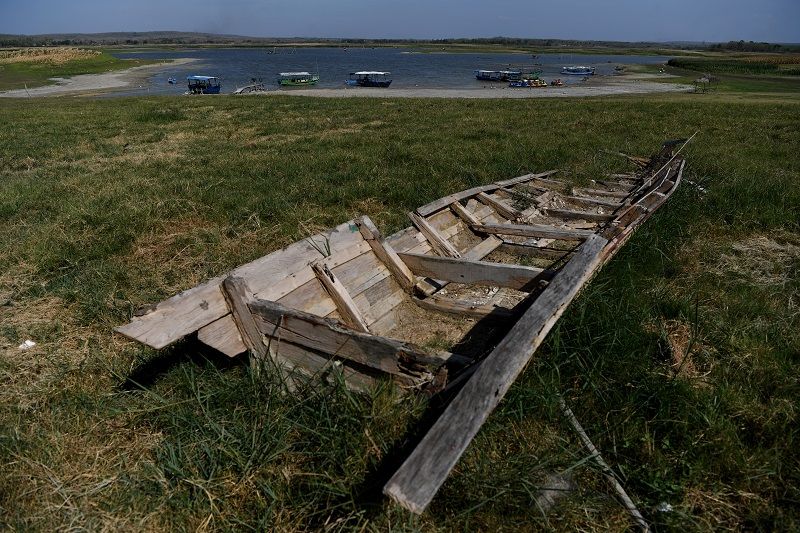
624,20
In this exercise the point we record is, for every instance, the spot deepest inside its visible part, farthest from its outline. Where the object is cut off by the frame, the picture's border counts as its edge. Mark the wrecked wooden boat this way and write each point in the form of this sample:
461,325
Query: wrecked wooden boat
495,266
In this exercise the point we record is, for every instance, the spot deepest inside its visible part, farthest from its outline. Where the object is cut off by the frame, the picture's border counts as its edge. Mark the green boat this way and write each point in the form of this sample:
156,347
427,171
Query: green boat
297,78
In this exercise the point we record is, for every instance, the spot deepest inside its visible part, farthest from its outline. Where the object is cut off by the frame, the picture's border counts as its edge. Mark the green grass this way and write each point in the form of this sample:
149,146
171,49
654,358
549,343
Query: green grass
35,74
107,205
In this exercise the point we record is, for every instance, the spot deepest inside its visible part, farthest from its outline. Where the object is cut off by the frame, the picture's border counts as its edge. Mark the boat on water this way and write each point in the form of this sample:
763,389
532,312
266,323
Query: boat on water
172,81
292,79
352,307
369,78
575,70
498,75
203,85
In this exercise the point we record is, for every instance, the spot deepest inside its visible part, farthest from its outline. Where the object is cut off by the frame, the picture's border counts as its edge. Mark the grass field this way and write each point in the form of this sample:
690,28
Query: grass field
680,358
35,66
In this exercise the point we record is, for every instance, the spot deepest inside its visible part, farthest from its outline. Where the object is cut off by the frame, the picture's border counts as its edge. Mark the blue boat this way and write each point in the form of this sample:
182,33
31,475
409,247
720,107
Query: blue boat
203,85
578,71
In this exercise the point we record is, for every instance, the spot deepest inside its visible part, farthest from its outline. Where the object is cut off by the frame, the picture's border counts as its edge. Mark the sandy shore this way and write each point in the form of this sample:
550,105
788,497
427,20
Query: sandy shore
92,83
626,84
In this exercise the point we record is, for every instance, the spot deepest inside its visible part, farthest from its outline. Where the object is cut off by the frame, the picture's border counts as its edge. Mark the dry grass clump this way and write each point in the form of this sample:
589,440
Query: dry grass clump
54,56
761,259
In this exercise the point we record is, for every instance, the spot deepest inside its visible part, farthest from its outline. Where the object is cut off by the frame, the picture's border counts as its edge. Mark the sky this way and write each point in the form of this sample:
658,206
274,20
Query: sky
619,20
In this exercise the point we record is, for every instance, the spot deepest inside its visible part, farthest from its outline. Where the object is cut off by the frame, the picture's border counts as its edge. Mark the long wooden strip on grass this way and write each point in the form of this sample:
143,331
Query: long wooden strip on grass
533,230
415,483
472,272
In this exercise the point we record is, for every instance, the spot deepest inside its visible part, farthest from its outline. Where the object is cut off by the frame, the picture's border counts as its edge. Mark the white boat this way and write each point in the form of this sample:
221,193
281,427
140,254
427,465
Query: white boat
575,70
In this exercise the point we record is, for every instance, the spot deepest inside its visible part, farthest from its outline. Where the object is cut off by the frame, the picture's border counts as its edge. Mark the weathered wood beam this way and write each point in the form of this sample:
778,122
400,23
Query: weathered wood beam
474,272
415,483
462,213
599,192
462,308
237,296
525,178
386,254
578,215
548,232
506,211
594,201
441,203
440,244
476,253
338,293
283,324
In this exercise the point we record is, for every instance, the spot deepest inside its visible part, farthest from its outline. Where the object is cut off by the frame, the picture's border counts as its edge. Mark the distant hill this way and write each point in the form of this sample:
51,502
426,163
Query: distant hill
197,38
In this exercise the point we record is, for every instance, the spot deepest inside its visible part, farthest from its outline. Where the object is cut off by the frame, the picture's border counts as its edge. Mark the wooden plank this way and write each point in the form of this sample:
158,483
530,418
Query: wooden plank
416,482
436,240
237,295
504,210
445,201
386,254
476,253
532,230
578,215
593,201
463,214
199,306
474,272
523,179
542,252
598,192
344,303
462,308
330,337
223,335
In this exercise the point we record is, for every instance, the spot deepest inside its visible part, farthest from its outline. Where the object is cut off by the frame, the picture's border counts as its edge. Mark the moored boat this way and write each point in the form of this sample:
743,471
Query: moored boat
292,79
576,70
369,78
498,75
203,85
557,83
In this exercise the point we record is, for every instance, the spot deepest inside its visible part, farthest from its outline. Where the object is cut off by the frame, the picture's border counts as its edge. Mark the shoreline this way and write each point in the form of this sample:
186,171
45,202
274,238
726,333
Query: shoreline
96,84
89,84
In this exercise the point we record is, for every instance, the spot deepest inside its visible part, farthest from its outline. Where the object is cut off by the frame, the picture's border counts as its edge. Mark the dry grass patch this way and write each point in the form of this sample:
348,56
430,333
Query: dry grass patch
54,56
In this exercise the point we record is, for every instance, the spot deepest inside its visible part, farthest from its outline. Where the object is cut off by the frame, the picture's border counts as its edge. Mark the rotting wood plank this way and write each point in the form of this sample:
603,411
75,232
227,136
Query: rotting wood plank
462,308
593,201
476,253
237,295
386,253
327,336
542,252
463,214
416,482
223,335
506,211
199,306
436,240
522,179
441,203
613,194
533,230
474,272
578,215
344,303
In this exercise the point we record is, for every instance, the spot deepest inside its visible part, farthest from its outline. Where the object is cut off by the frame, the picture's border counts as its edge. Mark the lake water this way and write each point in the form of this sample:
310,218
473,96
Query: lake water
236,66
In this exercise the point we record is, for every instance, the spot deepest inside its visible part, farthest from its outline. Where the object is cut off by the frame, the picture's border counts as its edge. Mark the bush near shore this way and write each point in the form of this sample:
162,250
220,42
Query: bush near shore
680,358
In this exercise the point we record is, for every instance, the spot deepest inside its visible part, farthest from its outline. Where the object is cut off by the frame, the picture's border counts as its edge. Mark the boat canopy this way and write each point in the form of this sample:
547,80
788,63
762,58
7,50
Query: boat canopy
201,78
369,73
288,74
